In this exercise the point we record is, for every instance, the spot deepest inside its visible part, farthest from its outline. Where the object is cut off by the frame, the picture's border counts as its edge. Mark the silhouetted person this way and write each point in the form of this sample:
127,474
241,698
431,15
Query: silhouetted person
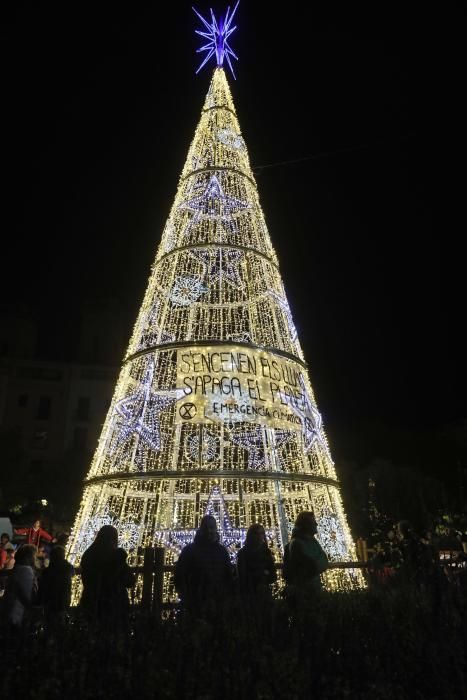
55,588
124,579
203,573
415,555
21,587
255,563
304,559
386,560
106,577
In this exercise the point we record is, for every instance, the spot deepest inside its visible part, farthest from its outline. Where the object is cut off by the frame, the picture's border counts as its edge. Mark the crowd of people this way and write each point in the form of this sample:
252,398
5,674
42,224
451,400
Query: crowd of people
204,576
403,556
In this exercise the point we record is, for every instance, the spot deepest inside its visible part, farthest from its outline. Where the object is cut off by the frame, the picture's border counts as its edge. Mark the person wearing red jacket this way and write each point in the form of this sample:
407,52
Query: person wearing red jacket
35,534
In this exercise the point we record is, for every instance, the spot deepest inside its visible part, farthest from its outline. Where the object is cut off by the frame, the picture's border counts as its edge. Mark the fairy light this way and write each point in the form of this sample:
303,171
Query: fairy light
284,305
214,400
221,266
205,448
128,532
252,439
137,414
230,138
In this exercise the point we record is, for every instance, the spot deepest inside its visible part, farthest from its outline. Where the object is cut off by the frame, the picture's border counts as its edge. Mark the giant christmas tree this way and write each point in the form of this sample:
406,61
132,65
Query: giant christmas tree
213,411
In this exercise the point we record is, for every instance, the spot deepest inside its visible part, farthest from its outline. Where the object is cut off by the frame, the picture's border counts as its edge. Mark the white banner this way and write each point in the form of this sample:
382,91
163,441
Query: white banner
233,383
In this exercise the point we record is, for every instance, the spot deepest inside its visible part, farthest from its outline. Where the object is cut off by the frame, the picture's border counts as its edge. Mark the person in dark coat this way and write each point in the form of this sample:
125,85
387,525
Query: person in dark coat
255,563
420,560
21,587
304,560
203,572
106,577
413,554
55,588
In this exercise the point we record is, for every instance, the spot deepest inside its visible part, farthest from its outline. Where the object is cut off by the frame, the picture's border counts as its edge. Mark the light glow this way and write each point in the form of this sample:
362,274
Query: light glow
217,33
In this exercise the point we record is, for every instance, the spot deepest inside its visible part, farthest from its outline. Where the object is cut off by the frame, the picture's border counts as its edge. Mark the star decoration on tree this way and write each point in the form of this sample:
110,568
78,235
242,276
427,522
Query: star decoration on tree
151,333
230,536
221,265
243,337
252,440
216,506
137,414
205,450
217,32
311,422
213,203
284,305
186,290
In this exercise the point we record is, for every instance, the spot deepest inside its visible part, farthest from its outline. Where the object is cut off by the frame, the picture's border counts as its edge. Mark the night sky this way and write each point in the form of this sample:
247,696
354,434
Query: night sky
99,108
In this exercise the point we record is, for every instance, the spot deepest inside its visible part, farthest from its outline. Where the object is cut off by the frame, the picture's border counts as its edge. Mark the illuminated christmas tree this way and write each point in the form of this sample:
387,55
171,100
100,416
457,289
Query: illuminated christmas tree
213,411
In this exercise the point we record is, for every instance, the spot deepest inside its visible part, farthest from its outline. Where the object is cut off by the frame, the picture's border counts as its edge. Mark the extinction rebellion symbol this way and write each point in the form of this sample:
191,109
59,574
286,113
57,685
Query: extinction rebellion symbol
187,411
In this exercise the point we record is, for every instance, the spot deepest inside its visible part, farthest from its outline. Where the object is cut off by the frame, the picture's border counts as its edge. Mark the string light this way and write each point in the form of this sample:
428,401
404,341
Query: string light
284,305
206,448
221,266
252,439
128,532
186,290
230,138
138,413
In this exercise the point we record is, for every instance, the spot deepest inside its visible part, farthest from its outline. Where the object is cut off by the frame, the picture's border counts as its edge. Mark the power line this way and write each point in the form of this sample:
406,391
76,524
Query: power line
325,154
328,154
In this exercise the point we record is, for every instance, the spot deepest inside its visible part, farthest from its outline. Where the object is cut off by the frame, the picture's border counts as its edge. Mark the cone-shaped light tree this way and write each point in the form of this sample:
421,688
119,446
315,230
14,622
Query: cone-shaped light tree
213,411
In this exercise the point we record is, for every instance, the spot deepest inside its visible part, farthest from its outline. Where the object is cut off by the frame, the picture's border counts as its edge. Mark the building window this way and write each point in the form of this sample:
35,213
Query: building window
23,400
43,410
80,437
82,412
39,440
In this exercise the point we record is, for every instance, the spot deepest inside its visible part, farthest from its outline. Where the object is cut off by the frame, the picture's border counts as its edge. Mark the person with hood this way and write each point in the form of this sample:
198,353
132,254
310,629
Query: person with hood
203,572
106,577
304,558
255,563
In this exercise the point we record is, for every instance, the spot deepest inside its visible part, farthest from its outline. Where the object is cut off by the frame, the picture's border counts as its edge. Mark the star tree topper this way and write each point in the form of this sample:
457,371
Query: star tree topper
217,33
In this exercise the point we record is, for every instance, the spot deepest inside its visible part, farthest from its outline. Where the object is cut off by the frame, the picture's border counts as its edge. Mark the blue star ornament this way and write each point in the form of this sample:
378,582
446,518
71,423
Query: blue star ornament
217,33
311,423
221,265
214,203
138,413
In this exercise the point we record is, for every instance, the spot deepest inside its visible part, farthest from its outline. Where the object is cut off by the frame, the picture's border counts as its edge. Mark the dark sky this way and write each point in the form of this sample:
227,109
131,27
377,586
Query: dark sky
99,108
